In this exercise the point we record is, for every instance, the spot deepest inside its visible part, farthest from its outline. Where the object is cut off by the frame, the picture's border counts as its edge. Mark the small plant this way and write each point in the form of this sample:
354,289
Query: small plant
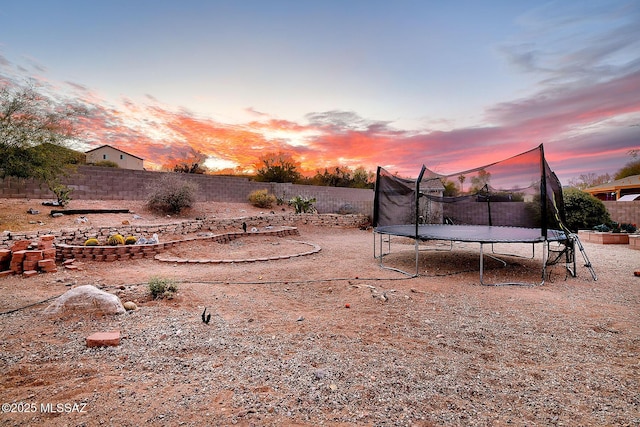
171,193
161,287
615,227
281,200
130,240
115,240
92,242
62,192
303,204
262,199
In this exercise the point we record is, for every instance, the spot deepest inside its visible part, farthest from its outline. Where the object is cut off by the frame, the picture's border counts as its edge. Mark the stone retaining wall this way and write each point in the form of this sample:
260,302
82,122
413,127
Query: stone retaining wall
80,235
127,252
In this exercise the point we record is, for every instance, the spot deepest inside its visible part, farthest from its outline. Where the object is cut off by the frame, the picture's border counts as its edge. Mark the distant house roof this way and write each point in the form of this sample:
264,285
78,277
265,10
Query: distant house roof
117,149
620,185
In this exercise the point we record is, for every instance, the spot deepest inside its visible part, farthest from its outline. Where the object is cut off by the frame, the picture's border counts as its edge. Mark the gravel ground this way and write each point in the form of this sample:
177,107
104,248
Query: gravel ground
332,339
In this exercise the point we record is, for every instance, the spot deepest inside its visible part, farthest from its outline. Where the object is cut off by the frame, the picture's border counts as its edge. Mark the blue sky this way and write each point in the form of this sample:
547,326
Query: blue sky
453,85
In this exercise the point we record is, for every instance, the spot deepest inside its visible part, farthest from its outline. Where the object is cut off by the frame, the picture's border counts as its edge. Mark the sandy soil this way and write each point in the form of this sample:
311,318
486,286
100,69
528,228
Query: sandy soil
326,339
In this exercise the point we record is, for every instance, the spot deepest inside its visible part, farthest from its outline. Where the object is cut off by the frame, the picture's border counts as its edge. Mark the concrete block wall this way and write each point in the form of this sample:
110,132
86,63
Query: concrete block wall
99,183
514,214
624,212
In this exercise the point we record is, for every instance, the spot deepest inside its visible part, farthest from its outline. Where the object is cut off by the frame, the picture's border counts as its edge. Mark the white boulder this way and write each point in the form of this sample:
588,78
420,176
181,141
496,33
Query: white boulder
86,299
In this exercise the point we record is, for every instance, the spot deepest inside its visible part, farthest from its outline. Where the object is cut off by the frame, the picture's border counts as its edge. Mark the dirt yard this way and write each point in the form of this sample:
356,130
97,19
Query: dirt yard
325,339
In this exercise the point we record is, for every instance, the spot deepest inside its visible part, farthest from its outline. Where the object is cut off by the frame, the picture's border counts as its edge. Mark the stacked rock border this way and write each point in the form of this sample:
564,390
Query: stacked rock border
128,252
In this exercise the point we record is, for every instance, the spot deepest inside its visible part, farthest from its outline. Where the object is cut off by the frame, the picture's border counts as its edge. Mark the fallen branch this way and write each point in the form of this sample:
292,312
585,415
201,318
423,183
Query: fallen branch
87,211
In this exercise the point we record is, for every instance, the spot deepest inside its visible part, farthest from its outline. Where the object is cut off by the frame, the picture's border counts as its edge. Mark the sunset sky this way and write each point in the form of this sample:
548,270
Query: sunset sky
449,84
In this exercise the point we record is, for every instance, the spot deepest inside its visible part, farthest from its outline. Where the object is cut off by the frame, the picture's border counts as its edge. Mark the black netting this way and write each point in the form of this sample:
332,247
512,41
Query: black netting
521,191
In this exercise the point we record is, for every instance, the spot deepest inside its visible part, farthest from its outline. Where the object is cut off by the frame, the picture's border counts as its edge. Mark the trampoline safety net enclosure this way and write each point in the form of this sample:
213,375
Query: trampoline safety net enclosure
517,200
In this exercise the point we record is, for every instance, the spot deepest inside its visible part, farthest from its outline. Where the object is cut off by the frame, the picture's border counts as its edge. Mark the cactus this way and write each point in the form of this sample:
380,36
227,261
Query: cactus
115,240
130,240
91,242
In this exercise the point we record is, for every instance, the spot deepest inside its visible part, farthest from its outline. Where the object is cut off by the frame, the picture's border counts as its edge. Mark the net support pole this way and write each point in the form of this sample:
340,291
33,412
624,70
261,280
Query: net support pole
417,218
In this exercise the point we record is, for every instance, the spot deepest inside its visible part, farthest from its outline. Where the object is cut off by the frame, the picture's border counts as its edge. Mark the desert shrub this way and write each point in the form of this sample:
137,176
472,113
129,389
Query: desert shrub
583,211
303,204
161,287
171,193
62,192
106,164
262,199
130,240
615,227
115,240
92,242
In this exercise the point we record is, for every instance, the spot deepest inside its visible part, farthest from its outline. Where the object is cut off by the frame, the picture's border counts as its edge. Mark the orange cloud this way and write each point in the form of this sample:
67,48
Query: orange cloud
585,129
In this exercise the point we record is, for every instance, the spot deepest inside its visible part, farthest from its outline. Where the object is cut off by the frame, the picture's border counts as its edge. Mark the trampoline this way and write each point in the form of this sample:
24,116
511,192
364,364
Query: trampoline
517,200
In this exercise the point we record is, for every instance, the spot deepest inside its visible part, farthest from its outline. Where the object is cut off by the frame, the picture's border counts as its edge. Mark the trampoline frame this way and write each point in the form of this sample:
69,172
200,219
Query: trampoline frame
482,235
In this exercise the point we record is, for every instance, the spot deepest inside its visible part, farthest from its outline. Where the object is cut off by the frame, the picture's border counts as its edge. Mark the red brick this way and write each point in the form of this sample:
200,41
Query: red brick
29,265
20,245
46,263
6,273
103,339
45,245
29,273
71,267
47,237
5,255
49,253
17,255
32,255
69,261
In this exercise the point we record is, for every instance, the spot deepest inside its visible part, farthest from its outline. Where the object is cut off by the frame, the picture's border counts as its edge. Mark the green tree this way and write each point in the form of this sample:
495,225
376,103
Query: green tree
583,211
277,167
344,176
193,162
33,127
479,181
630,169
450,188
363,178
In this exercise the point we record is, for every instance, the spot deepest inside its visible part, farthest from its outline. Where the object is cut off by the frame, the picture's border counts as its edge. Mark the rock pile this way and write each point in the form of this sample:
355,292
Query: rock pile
27,259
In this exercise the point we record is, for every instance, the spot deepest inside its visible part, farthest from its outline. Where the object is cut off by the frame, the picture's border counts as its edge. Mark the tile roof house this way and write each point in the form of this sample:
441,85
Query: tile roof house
616,189
123,159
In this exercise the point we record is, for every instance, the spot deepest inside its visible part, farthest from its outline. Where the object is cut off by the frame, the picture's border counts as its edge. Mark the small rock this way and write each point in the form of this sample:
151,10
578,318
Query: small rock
33,211
300,319
130,306
57,215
